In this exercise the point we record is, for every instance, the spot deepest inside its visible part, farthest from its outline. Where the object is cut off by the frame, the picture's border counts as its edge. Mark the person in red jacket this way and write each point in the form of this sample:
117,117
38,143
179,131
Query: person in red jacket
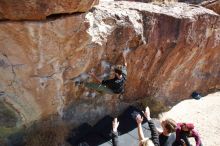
185,130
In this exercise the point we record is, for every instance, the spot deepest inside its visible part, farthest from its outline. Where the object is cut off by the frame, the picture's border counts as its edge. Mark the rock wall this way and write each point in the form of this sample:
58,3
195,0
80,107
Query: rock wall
172,50
210,4
185,1
213,5
40,9
144,1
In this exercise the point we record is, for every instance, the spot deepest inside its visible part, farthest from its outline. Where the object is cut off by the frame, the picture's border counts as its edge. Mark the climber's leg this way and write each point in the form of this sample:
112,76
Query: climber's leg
99,87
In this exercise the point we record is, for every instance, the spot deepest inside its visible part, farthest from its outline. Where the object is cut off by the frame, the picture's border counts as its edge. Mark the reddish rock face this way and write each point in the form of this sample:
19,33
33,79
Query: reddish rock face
213,5
40,9
144,1
173,51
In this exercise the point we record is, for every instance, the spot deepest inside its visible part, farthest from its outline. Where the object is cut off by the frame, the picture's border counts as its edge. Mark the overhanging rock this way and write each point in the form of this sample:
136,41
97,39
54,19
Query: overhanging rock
173,51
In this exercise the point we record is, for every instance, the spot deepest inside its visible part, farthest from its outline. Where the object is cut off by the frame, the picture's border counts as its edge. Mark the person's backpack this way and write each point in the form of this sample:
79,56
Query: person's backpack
196,95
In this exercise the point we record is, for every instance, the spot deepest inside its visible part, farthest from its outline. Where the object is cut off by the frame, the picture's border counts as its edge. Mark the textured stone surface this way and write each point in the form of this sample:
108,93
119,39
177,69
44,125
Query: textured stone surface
40,9
144,1
174,50
210,4
213,5
165,1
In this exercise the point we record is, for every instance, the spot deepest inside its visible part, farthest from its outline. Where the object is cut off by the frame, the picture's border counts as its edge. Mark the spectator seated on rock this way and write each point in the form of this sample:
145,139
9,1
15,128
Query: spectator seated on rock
183,132
111,86
154,140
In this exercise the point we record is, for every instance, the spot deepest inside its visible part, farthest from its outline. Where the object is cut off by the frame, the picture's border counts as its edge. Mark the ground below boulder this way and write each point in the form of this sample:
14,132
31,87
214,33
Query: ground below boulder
204,113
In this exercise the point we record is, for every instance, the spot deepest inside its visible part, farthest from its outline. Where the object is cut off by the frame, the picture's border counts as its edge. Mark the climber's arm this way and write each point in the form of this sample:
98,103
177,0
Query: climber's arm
92,74
124,57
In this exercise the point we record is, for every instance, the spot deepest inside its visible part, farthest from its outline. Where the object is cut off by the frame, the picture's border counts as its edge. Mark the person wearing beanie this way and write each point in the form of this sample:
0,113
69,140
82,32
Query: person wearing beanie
185,130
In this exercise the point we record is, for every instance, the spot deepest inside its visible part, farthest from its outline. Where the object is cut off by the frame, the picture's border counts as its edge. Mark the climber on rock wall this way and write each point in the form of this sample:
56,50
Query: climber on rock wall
111,86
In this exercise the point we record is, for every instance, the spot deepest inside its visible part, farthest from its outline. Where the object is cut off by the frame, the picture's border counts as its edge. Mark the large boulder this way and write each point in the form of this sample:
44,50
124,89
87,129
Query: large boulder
40,9
144,1
213,5
173,51
210,4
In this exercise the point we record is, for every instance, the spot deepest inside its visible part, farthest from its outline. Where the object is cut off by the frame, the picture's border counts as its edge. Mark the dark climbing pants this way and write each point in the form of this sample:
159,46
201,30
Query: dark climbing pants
184,138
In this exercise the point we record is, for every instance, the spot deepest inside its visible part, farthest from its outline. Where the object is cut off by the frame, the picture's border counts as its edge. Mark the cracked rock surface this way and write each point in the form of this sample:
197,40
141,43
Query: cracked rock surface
40,9
213,5
173,50
210,4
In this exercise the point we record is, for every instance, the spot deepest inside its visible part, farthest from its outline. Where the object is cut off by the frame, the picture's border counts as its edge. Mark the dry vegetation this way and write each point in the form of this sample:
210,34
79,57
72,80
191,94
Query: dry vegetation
46,133
155,106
